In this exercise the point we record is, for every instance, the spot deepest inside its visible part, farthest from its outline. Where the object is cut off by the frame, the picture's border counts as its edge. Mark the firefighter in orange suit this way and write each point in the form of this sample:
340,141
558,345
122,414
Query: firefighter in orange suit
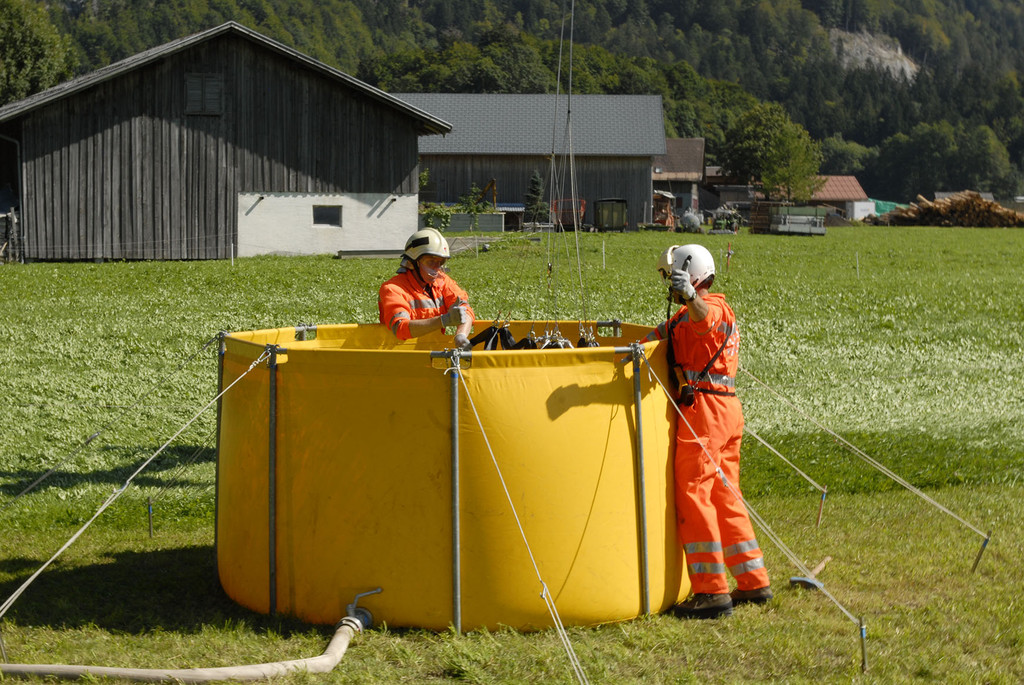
712,522
421,297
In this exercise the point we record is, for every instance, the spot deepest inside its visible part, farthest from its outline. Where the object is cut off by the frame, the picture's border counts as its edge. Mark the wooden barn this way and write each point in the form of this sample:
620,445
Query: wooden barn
507,137
220,143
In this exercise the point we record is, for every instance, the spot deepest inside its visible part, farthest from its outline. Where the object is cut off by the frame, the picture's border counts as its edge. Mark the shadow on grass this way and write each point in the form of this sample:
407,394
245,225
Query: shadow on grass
169,460
134,592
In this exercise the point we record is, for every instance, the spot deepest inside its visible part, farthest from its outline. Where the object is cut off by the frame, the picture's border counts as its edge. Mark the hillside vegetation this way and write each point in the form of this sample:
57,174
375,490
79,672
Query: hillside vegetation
957,123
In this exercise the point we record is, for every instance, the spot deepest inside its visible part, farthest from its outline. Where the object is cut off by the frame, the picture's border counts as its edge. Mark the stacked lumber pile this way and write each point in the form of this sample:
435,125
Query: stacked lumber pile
966,208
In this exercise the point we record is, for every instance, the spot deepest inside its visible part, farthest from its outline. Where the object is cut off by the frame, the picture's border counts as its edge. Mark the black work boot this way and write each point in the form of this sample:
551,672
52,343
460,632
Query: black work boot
757,596
704,605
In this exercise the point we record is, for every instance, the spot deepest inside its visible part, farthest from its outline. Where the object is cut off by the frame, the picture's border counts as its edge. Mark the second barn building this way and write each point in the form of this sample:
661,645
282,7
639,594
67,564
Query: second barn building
498,142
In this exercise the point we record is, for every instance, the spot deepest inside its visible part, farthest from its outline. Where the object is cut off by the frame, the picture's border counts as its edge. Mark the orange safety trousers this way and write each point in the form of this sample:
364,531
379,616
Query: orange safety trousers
712,522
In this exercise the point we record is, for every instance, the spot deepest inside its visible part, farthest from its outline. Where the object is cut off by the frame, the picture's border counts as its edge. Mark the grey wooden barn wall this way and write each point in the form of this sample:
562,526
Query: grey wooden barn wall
121,172
596,178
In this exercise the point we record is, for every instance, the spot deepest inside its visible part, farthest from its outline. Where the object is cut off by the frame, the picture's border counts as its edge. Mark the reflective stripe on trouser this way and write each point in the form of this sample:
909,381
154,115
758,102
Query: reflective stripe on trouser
712,523
746,564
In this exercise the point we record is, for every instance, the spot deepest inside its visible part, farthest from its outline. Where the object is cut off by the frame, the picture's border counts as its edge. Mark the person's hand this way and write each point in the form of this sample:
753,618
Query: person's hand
681,284
456,315
462,342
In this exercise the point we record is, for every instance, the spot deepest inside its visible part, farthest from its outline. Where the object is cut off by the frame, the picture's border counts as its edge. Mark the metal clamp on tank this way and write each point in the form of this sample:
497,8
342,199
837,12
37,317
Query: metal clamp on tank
359,613
303,330
449,358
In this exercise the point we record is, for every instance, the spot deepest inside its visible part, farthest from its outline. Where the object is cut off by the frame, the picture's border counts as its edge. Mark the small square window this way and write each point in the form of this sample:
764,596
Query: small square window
204,94
327,215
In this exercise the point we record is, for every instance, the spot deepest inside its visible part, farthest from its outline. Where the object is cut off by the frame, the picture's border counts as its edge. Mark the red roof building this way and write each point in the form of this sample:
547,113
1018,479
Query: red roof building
844,194
840,189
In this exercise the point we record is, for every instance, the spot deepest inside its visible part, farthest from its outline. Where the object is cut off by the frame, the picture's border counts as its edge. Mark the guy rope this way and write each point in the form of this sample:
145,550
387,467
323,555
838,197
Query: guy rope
771,534
9,602
545,592
871,461
50,471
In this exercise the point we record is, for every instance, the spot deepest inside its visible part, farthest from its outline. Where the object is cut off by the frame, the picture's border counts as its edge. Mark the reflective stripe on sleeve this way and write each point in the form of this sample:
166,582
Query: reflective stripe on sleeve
396,318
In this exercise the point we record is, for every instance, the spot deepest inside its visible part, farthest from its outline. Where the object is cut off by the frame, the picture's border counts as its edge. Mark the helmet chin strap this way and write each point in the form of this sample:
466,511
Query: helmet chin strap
419,274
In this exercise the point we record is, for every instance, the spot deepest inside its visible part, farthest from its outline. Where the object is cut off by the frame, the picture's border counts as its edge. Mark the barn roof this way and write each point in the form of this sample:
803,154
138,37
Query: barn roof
682,161
428,123
510,124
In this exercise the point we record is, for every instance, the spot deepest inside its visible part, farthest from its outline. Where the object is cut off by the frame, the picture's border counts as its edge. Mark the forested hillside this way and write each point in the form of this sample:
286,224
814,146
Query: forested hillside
955,120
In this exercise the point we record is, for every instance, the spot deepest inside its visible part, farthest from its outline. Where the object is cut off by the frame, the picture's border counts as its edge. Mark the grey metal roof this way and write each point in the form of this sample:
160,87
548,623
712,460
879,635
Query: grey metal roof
504,124
429,124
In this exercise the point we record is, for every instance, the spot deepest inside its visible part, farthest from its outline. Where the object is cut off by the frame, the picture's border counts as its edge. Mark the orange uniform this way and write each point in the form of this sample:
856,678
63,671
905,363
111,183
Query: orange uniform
404,297
712,522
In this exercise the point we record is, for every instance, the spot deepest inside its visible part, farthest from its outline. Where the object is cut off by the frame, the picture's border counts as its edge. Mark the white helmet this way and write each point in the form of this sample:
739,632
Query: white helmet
665,262
696,260
427,241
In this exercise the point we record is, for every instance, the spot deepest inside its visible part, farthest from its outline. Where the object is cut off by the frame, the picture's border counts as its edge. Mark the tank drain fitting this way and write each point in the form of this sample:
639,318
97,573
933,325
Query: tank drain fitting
359,613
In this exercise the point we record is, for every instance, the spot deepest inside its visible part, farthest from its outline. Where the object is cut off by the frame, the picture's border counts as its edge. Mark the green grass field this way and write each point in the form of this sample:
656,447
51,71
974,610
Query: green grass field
907,342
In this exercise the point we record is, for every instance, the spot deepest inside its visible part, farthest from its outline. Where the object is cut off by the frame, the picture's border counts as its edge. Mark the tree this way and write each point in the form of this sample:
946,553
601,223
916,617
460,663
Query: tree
942,156
33,55
792,170
982,163
845,157
929,148
764,145
473,203
534,207
517,62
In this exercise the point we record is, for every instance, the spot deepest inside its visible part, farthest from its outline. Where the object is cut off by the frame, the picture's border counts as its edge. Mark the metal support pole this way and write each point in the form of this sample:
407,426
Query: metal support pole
221,349
641,493
456,535
821,505
981,551
272,481
863,647
149,508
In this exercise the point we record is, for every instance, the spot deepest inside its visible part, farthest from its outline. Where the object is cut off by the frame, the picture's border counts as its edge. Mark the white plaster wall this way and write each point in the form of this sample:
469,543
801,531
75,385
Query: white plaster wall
859,210
282,223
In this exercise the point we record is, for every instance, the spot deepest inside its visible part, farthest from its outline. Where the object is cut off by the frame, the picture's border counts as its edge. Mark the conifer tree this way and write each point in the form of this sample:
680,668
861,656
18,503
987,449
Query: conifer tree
535,208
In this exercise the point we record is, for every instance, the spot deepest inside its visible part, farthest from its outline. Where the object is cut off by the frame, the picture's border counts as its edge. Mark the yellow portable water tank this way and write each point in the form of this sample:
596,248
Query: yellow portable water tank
337,457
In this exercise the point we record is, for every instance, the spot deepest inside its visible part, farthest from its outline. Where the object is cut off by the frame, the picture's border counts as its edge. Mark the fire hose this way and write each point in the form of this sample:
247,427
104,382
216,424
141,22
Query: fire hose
357,619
